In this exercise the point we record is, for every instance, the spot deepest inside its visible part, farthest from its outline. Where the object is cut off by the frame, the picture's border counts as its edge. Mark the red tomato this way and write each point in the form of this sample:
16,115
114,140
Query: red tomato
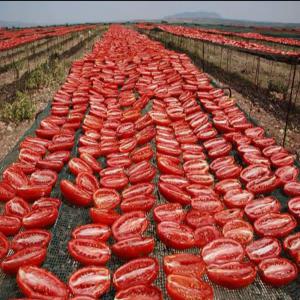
102,216
89,251
143,153
176,235
205,234
275,225
40,218
15,177
4,246
262,249
77,166
196,166
207,204
184,264
254,172
117,182
228,172
262,185
277,271
223,186
169,212
287,173
251,158
90,281
75,194
292,244
292,188
33,256
198,218
105,198
173,193
179,181
202,179
91,161
9,225
126,130
6,191
50,165
29,156
133,247
136,272
31,238
132,224
138,189
238,230
34,281
16,207
232,275
33,192
224,216
261,206
294,206
87,182
141,202
144,292
196,190
98,232
46,202
109,171
142,176
237,198
281,159
221,251
221,162
184,287
167,167
43,177
63,156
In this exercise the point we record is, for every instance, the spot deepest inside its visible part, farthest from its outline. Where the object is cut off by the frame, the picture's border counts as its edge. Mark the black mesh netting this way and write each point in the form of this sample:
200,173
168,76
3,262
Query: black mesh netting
63,265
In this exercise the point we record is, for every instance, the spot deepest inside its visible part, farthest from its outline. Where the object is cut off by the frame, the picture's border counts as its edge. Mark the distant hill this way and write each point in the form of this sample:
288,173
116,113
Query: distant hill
194,15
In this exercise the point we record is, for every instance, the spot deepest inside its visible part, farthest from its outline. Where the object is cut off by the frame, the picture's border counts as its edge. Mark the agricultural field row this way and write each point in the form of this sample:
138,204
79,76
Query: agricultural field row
145,181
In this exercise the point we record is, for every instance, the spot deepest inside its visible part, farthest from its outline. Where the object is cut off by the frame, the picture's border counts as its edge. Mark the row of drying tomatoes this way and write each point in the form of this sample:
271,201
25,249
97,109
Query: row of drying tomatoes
116,123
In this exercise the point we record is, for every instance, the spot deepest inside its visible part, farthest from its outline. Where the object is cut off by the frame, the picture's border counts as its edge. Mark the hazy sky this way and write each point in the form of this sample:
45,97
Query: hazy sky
94,11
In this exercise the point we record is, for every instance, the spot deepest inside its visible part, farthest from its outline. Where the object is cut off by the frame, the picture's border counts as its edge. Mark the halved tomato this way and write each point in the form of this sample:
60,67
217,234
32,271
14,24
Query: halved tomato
168,167
43,177
262,249
207,203
146,292
15,177
254,172
40,218
238,230
177,180
77,165
185,264
237,198
221,251
103,216
9,225
205,234
34,192
105,198
133,247
75,194
33,256
287,173
141,202
252,158
265,184
16,207
275,224
176,235
98,232
46,202
90,281
226,215
282,159
184,287
277,271
292,244
31,238
294,206
198,218
89,251
87,182
232,275
138,189
114,181
4,245
292,188
173,193
135,272
169,212
39,283
143,153
228,172
91,161
132,224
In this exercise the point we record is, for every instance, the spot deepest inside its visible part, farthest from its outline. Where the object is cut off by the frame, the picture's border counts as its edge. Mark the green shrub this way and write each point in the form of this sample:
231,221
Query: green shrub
20,109
37,78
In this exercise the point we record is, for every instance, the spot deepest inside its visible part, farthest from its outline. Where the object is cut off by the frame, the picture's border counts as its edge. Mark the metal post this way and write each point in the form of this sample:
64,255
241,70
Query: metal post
289,106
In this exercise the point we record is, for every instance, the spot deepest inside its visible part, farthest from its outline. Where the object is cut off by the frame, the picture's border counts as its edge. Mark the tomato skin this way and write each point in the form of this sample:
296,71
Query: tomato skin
184,264
285,275
291,244
33,256
98,232
142,176
254,172
183,287
238,230
78,249
166,166
174,194
16,207
292,189
51,165
34,192
141,202
107,217
75,194
263,185
146,292
43,177
15,177
34,281
214,252
197,218
261,206
262,249
77,165
135,272
223,186
31,238
117,182
238,198
232,275
87,182
264,225
224,216
294,206
169,212
143,153
9,225
133,247
91,161
175,235
40,218
205,234
46,202
138,189
4,245
287,174
82,281
6,191
105,198
206,203
132,224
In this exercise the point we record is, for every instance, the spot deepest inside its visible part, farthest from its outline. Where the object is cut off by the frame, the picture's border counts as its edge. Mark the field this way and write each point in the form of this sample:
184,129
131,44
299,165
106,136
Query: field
149,161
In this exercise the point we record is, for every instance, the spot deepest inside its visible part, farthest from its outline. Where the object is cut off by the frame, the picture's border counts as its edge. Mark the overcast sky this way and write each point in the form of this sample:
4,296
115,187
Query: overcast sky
56,12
